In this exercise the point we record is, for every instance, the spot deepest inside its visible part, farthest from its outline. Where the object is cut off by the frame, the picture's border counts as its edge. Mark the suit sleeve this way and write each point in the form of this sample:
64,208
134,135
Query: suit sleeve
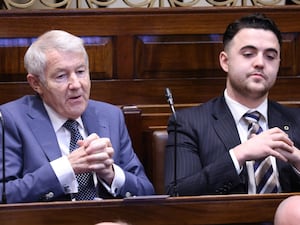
29,175
136,181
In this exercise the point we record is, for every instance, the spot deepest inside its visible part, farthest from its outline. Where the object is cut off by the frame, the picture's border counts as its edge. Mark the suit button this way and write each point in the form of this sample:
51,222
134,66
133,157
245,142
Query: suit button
220,191
49,195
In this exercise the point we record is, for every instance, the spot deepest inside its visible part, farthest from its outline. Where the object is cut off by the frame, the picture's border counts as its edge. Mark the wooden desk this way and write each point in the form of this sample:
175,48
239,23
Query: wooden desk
239,209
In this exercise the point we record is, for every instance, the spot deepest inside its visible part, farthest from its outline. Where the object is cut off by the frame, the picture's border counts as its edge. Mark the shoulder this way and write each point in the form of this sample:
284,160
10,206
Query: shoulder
104,109
203,108
198,115
282,109
18,105
103,105
282,116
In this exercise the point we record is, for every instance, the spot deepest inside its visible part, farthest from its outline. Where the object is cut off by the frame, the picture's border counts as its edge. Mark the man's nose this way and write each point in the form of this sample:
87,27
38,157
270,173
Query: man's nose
74,81
259,61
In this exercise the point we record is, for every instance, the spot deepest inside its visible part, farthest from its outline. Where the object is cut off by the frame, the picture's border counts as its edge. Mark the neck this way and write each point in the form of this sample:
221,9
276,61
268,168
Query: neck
250,101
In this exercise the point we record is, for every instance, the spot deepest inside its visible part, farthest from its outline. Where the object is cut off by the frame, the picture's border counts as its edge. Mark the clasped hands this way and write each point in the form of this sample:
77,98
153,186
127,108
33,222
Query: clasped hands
94,154
272,142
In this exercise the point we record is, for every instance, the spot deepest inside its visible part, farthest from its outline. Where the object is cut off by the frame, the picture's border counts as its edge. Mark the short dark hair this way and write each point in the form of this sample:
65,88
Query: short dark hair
256,21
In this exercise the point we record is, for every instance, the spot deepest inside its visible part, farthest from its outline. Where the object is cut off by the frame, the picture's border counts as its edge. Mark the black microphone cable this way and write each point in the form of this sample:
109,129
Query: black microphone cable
171,103
4,201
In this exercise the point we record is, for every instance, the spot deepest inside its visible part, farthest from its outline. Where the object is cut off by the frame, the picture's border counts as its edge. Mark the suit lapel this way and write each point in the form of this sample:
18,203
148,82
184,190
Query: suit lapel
95,122
223,121
282,120
277,119
42,129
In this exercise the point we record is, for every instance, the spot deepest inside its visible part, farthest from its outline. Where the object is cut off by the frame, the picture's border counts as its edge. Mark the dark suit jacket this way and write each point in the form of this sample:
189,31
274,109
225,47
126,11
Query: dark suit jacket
31,145
205,134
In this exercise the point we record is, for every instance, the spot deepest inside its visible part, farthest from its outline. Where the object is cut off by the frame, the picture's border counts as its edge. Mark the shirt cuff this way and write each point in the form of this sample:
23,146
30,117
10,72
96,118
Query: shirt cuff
235,162
65,174
117,183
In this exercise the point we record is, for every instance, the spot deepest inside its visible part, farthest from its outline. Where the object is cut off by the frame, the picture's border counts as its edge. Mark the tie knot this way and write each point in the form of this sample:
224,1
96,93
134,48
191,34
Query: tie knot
252,117
71,125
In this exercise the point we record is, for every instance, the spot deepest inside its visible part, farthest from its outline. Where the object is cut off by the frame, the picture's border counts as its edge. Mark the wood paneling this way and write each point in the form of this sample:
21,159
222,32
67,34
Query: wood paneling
172,56
202,210
143,43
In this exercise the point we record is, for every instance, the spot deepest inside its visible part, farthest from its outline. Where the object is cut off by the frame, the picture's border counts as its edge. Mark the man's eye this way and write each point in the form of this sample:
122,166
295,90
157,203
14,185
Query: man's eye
81,72
247,54
271,56
61,76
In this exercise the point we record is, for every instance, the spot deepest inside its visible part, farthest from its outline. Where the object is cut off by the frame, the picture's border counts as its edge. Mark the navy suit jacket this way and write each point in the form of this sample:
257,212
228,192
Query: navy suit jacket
205,134
31,145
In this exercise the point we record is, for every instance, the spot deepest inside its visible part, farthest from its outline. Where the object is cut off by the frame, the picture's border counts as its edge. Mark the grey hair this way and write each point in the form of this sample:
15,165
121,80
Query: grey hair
35,60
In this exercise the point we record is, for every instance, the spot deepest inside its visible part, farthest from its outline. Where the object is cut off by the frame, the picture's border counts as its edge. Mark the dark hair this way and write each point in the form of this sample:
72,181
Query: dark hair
256,21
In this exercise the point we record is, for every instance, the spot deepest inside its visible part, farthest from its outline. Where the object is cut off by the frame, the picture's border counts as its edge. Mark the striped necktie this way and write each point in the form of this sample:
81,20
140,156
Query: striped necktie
263,171
86,189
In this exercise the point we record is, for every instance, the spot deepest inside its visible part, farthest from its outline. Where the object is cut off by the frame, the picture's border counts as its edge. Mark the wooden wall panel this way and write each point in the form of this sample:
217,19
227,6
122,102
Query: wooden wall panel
146,43
290,56
196,56
173,56
12,51
100,51
12,63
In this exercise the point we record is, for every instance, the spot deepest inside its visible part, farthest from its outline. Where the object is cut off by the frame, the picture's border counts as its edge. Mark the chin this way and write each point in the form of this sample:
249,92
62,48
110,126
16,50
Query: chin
75,114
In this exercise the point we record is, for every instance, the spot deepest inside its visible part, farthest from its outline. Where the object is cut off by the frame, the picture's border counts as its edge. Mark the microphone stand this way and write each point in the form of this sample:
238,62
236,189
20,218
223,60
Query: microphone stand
175,159
171,103
4,201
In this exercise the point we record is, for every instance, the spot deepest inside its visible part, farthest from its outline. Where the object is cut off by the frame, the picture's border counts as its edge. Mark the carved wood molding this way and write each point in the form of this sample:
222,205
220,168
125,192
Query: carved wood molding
58,4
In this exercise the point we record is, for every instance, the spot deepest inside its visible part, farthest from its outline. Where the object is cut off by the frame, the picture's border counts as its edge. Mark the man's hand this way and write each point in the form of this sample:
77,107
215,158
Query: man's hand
95,154
272,142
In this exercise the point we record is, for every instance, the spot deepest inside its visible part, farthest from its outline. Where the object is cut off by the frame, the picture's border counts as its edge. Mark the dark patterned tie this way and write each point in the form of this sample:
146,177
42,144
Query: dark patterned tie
86,189
263,171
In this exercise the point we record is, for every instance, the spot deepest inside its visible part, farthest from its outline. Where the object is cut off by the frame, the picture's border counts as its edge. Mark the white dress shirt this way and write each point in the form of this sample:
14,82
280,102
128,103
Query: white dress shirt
237,111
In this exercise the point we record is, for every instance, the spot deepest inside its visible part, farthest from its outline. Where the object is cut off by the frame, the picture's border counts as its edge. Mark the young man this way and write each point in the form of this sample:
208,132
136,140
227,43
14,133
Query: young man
42,129
217,151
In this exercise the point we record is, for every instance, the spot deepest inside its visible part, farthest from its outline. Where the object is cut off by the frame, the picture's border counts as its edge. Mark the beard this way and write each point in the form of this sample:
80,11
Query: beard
249,88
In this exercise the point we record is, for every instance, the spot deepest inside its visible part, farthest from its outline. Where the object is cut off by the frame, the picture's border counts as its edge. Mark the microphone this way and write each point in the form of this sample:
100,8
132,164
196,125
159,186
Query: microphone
4,201
171,103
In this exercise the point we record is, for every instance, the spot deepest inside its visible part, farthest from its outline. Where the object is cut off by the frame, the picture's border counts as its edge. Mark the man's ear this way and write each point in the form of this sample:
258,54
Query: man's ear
34,82
223,59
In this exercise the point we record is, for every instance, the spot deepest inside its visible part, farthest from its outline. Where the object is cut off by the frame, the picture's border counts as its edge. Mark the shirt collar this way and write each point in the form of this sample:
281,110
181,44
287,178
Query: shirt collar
57,120
238,110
